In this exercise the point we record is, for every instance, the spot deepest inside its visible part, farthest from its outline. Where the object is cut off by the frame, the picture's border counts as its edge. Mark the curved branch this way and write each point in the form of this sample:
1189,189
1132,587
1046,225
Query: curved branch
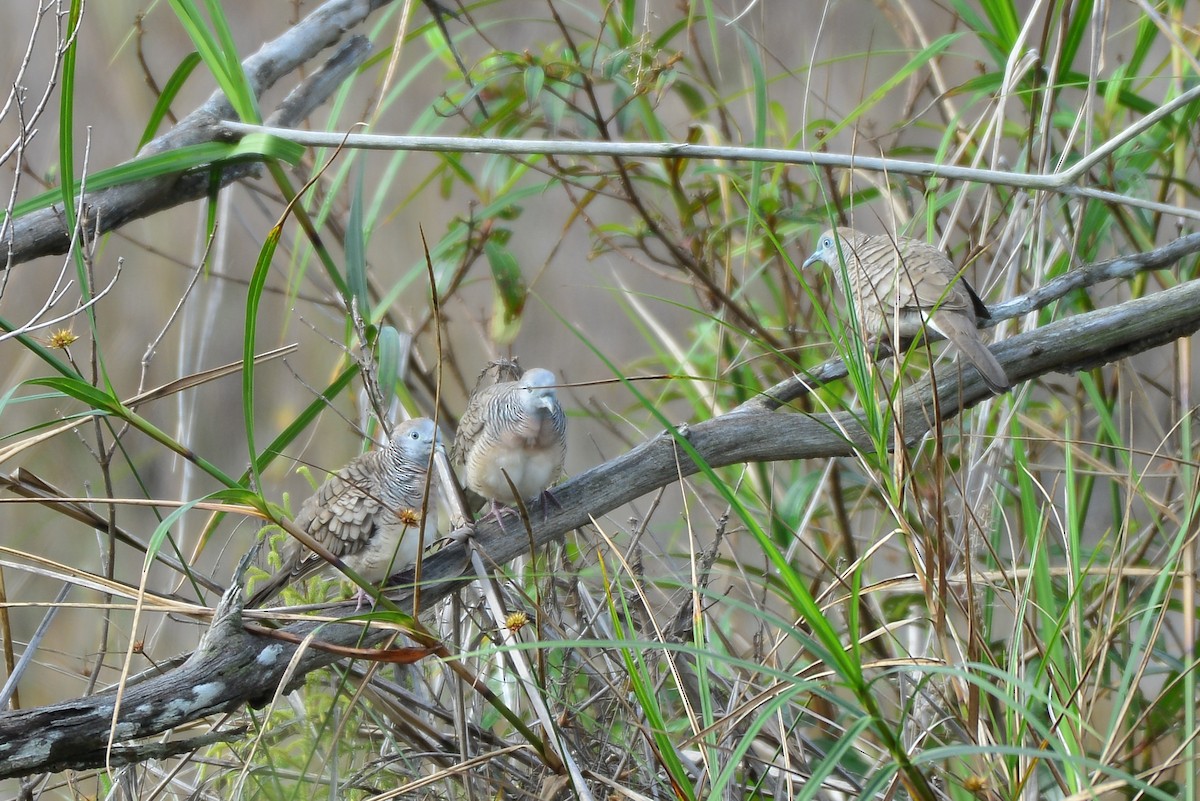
234,666
43,233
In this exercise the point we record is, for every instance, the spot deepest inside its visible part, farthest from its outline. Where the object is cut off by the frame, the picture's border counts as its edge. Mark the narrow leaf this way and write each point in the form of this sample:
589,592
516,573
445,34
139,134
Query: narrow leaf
535,79
356,251
508,300
389,355
170,91
254,147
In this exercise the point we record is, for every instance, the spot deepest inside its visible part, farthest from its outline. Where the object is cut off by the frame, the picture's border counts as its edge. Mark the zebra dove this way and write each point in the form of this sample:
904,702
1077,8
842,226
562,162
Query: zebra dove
512,431
910,284
367,513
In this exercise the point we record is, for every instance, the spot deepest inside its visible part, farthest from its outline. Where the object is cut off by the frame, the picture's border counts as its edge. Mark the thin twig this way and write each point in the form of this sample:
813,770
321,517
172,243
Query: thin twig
1062,182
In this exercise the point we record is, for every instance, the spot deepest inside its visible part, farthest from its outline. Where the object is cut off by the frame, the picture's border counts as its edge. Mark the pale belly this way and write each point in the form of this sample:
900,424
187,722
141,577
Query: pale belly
529,473
391,551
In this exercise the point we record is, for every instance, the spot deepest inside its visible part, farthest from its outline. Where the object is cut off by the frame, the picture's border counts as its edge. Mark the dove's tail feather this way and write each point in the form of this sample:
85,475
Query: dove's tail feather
960,330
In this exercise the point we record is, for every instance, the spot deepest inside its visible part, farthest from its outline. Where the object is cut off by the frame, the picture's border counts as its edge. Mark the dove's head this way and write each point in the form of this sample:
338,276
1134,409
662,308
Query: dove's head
537,386
416,439
830,242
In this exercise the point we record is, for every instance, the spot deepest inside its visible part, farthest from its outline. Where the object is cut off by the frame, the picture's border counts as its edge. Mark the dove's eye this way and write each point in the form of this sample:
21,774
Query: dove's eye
827,242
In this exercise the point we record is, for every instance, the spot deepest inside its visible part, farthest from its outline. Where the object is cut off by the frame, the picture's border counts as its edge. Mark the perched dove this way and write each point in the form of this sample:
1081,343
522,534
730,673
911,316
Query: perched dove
369,513
910,284
512,431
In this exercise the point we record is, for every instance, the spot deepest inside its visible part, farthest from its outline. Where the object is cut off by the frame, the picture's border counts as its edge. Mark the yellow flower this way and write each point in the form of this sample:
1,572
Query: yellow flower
62,338
515,621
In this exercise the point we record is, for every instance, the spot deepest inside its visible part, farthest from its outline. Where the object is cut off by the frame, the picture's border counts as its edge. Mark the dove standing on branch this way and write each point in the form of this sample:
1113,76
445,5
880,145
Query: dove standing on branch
910,284
512,431
369,514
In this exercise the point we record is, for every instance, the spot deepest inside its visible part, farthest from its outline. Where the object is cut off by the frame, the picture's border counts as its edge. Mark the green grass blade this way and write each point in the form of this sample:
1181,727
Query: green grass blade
258,281
935,48
255,147
219,56
170,91
388,355
38,349
286,437
246,103
66,134
162,532
1079,27
107,403
356,251
641,680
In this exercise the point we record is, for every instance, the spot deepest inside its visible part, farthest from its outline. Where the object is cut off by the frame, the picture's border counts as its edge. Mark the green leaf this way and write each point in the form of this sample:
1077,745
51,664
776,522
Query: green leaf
170,91
4,399
245,102
614,66
289,435
1146,36
66,164
258,280
1005,21
236,495
389,355
82,391
66,134
934,49
1080,24
254,147
646,691
535,79
108,403
622,98
555,110
508,301
38,349
219,55
356,251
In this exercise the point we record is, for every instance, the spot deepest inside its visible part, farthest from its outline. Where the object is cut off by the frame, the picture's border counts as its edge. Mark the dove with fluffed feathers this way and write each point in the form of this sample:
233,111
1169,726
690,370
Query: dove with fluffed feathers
512,431
910,284
374,514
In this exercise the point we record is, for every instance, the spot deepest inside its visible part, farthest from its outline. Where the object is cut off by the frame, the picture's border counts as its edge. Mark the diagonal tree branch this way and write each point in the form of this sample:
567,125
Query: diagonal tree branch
234,666
43,233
